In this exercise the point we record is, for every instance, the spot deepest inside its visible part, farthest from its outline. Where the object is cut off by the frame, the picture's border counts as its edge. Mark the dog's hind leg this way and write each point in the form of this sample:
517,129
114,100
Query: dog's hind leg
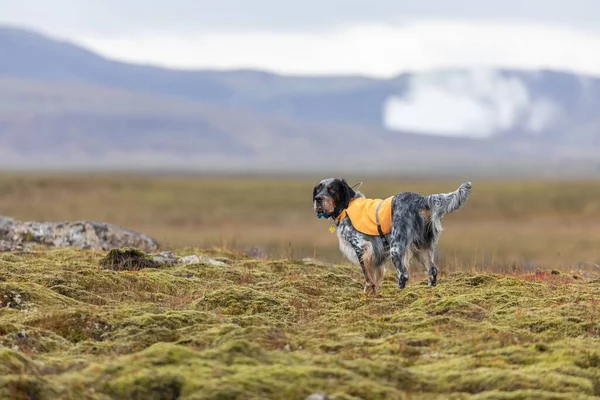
426,257
401,255
407,226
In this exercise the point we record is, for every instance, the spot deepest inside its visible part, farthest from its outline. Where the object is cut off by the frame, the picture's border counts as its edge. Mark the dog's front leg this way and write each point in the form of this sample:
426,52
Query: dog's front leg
365,265
369,284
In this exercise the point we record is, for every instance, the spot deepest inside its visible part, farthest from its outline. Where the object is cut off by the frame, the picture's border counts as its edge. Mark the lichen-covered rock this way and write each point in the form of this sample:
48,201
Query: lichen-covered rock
11,246
15,235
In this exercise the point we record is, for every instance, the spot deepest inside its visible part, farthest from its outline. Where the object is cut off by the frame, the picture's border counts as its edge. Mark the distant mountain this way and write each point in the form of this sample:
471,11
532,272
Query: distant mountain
82,124
62,104
27,54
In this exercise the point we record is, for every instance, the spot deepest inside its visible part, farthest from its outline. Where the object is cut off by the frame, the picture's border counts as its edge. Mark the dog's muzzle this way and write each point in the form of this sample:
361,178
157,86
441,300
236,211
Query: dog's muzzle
319,208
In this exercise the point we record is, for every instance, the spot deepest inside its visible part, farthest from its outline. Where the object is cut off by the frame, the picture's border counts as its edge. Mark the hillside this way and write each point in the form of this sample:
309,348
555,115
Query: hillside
72,329
82,124
62,105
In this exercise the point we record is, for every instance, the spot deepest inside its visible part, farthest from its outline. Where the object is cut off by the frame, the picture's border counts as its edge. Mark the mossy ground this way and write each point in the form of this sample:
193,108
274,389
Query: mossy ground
70,329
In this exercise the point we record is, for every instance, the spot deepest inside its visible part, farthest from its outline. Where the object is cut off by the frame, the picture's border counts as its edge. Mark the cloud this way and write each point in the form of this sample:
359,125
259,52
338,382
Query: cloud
475,103
377,50
117,17
372,37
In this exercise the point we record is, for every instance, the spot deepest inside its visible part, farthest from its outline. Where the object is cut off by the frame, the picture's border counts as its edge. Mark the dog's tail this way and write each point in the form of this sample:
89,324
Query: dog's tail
445,203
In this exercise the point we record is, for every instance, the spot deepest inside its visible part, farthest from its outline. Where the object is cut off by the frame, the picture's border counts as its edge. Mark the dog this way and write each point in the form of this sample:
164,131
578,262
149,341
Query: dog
371,231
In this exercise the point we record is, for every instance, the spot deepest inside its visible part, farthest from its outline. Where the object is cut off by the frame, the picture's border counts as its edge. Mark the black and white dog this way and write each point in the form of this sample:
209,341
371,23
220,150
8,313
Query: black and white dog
414,227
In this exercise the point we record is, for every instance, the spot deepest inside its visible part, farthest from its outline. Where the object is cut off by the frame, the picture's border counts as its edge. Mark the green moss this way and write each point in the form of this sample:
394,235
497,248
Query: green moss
147,385
26,296
527,395
21,387
245,301
33,341
69,328
74,325
13,362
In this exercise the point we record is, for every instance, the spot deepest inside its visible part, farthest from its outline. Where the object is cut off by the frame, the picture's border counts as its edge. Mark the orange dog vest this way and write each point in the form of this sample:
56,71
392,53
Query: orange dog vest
362,212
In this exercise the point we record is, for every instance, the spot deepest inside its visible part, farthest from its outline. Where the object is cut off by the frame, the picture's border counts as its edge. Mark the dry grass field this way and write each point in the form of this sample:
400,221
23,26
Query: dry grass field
515,314
504,224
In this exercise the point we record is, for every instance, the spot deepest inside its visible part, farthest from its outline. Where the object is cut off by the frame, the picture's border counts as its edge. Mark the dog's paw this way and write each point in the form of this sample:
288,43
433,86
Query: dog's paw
402,282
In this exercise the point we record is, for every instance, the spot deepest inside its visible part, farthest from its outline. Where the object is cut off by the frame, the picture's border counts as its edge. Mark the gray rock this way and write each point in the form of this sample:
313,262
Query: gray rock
6,224
164,258
8,246
194,259
212,261
81,234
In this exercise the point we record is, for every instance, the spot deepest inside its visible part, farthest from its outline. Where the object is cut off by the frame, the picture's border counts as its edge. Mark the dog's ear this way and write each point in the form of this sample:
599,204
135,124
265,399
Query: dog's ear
345,194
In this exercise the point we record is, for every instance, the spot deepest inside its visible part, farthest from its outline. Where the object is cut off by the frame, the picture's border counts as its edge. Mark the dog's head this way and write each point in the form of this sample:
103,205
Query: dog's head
331,196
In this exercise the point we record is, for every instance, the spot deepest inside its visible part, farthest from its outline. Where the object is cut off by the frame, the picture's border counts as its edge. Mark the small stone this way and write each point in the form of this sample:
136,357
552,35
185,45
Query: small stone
164,258
318,396
193,259
287,348
212,261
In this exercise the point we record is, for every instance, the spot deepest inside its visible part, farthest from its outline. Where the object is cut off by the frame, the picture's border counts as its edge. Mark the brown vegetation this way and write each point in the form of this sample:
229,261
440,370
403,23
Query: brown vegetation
504,224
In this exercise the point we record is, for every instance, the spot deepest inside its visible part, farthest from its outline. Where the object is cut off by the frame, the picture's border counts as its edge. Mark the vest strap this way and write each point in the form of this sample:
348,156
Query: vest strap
385,241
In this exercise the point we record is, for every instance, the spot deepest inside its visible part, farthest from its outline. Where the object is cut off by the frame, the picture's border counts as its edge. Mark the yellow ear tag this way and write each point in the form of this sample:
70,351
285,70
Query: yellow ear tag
332,229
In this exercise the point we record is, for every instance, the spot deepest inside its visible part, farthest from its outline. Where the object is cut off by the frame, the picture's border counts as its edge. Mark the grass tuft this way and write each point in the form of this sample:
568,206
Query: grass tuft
127,259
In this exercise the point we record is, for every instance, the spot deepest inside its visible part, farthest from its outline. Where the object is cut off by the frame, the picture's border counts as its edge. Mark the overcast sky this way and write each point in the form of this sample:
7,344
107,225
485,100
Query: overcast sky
372,37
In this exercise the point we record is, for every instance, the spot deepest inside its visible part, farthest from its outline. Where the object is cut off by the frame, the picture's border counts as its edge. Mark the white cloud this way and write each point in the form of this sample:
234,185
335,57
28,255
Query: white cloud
378,50
475,103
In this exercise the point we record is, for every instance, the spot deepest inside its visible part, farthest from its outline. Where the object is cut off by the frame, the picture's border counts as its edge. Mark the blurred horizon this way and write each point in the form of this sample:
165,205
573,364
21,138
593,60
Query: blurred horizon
421,89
